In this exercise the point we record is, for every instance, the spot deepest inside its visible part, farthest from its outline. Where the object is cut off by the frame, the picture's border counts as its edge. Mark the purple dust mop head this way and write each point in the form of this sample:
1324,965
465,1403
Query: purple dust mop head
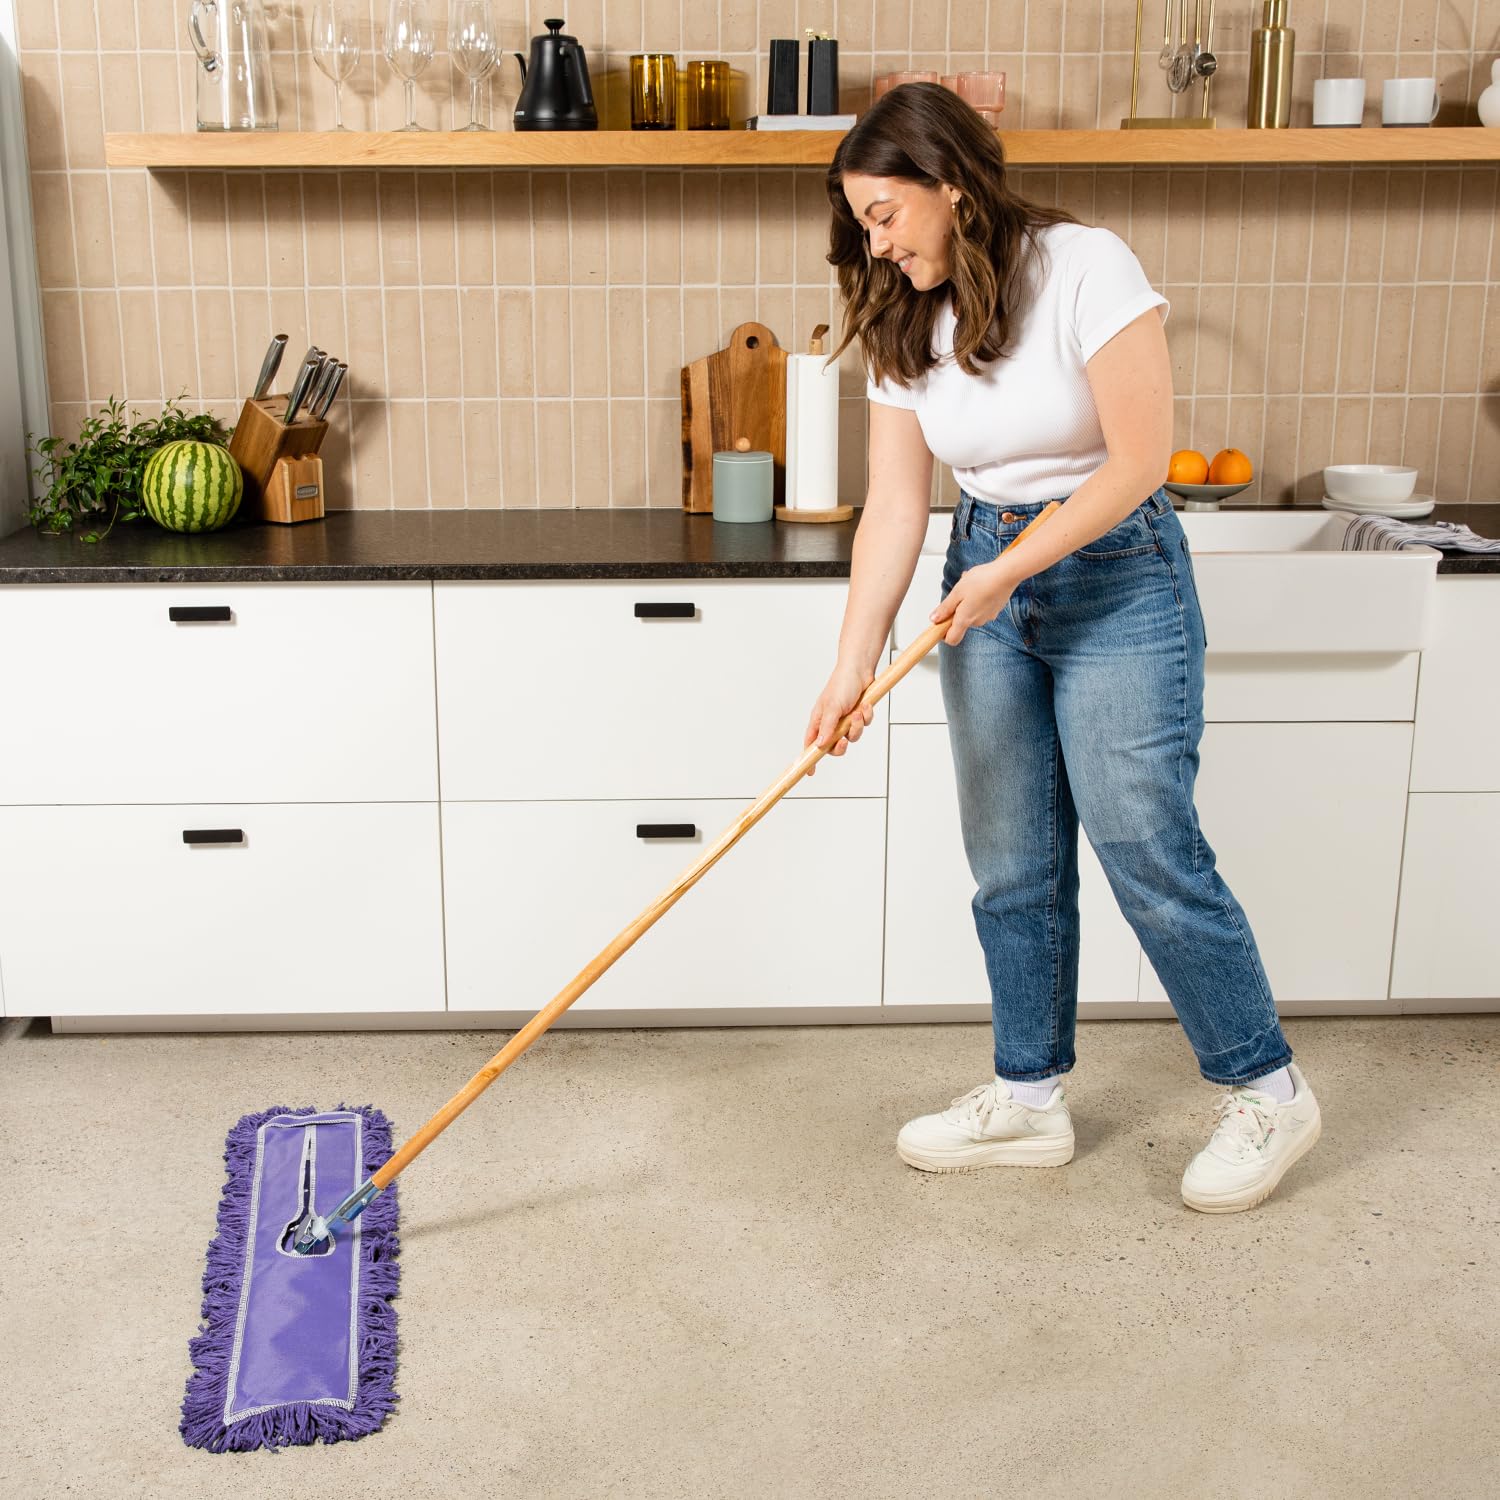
292,1347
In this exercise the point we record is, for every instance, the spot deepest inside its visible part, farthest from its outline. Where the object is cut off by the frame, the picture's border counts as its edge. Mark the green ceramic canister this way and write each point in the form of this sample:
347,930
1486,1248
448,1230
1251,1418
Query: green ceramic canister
744,486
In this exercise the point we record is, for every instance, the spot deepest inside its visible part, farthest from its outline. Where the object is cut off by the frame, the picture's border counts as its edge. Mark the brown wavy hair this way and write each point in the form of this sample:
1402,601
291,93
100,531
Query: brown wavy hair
926,134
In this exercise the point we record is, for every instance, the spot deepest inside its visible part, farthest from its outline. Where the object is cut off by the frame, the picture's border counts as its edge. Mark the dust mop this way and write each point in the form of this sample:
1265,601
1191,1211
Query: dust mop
294,1348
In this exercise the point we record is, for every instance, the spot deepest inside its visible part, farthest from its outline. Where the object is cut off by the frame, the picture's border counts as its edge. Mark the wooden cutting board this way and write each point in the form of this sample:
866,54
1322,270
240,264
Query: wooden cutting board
733,399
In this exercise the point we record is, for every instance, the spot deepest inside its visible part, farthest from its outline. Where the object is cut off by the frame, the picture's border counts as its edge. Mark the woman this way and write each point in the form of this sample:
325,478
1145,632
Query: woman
1027,351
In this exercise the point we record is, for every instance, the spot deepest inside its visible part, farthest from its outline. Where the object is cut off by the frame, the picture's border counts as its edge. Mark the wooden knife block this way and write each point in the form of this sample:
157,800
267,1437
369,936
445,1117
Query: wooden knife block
735,398
262,443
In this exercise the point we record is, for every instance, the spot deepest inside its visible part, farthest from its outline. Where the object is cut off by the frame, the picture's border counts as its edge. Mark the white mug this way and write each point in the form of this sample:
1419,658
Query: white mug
1339,101
1409,101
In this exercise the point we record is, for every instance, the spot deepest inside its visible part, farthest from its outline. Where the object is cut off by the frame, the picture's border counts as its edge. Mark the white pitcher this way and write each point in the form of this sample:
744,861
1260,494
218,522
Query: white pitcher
231,39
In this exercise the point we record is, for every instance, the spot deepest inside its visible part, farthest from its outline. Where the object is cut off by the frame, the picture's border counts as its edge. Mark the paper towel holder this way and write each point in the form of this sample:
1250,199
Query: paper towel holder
834,513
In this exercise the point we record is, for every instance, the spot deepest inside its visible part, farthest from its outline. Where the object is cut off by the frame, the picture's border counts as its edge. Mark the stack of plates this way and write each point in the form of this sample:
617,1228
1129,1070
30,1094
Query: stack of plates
1397,510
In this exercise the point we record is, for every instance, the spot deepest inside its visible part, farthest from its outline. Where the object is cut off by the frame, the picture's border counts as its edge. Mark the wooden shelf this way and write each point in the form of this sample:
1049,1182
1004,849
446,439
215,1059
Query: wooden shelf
782,148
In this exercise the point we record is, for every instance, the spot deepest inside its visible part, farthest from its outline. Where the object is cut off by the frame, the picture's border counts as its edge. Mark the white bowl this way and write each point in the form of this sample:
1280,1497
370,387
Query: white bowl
1369,482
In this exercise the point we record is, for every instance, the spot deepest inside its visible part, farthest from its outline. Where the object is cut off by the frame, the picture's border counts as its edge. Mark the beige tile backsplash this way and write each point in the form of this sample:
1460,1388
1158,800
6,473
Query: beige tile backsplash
514,338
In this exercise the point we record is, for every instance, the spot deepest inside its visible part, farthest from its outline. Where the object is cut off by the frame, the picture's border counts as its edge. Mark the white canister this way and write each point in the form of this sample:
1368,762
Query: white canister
1339,101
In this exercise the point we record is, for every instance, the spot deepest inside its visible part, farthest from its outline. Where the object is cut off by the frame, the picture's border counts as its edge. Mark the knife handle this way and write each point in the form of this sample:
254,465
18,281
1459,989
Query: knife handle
269,366
321,387
299,390
326,398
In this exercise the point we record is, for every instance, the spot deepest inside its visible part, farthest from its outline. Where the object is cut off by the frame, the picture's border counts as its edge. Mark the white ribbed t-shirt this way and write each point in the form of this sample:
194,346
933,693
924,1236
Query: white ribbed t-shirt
1025,429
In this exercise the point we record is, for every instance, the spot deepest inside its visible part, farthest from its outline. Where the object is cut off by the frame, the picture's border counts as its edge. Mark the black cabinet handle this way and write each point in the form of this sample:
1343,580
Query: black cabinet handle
665,611
213,835
666,830
180,612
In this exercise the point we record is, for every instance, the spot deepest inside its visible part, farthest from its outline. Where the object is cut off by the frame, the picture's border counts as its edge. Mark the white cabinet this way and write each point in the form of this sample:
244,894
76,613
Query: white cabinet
1458,708
1447,938
302,715
790,916
638,690
932,953
299,693
317,718
1305,822
571,715
106,911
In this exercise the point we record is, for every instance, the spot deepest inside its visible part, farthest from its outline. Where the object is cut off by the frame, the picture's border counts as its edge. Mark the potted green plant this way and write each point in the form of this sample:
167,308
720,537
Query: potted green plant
98,474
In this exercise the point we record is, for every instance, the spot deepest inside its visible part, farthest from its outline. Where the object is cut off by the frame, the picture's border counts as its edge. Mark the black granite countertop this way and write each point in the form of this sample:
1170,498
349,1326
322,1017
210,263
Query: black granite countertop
494,544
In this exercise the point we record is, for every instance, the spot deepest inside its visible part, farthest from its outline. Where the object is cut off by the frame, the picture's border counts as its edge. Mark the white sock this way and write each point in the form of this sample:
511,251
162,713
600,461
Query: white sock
1036,1093
1278,1085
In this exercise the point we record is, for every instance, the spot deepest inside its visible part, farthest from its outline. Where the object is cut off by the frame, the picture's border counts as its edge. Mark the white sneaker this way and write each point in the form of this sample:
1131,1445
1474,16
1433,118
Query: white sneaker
1253,1145
987,1128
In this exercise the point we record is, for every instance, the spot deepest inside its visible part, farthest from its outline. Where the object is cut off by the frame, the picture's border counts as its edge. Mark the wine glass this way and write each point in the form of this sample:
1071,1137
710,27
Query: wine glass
471,42
409,33
335,48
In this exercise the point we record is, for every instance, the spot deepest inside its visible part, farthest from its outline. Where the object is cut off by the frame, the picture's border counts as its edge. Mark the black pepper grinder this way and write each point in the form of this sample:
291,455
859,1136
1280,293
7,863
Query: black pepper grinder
822,73
781,90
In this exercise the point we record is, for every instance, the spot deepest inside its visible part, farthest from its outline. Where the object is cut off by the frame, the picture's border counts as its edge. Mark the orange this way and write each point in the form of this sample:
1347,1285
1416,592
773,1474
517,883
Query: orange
1230,466
1188,466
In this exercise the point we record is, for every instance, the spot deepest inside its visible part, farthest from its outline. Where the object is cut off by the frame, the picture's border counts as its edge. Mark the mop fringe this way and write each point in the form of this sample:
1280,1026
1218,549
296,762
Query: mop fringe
294,1423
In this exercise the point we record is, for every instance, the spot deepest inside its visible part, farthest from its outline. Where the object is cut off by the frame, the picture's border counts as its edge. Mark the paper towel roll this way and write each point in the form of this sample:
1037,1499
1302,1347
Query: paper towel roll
812,433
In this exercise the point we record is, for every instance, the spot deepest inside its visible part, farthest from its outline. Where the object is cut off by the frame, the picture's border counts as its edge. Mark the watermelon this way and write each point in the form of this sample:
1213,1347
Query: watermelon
190,486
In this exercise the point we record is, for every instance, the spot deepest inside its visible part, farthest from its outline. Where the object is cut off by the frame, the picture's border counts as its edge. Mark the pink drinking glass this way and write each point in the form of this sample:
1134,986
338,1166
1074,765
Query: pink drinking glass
950,82
985,91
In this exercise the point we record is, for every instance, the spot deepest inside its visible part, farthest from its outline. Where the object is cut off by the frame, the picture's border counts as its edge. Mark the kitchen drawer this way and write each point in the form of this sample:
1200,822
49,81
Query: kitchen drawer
790,916
1457,746
556,691
305,693
106,911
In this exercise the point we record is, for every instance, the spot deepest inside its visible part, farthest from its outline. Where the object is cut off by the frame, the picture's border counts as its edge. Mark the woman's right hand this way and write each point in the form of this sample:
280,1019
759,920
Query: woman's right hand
845,687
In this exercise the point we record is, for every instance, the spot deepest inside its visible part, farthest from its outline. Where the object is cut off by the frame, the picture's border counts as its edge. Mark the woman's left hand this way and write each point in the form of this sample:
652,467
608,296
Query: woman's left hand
975,600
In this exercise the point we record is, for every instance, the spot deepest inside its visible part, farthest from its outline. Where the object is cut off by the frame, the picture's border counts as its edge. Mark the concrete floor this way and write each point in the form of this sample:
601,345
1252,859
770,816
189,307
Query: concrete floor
689,1263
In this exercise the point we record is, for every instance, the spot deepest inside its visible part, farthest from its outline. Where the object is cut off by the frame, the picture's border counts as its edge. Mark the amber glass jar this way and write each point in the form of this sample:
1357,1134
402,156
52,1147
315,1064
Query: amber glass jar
706,106
653,91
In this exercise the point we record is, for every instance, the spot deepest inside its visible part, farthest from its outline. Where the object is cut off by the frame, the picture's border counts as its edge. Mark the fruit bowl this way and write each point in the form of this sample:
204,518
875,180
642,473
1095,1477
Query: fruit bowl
1204,496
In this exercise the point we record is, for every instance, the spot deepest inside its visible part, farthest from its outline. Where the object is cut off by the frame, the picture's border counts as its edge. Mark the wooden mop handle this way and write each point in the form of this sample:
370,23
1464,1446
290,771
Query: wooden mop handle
663,903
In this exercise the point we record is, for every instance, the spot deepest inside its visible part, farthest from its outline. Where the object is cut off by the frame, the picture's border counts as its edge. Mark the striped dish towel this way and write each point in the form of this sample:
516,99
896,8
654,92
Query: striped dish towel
1381,534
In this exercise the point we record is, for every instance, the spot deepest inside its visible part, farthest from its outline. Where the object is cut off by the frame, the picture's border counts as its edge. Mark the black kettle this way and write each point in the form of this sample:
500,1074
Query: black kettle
555,93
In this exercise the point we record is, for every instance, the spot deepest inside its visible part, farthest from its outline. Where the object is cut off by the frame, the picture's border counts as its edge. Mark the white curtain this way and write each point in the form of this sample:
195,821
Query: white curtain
23,372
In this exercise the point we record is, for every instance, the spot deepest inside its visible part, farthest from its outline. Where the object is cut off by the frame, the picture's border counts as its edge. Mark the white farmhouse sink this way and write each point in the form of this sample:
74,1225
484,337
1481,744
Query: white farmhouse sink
1270,583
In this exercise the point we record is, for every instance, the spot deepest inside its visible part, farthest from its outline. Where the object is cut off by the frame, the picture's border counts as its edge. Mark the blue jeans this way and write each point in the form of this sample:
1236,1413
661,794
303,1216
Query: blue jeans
1082,702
